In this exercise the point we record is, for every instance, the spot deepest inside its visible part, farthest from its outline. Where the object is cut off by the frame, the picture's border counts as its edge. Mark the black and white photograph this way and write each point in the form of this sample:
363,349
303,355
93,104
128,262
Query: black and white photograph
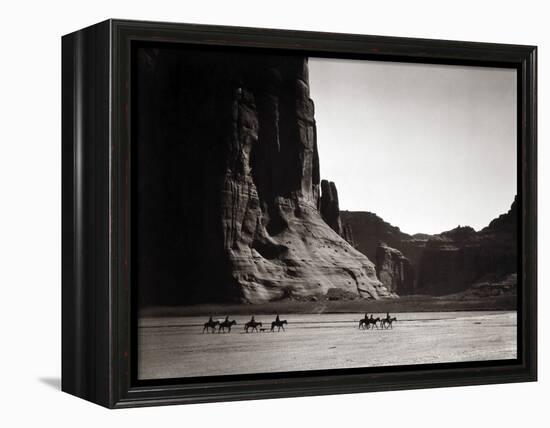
284,214
300,213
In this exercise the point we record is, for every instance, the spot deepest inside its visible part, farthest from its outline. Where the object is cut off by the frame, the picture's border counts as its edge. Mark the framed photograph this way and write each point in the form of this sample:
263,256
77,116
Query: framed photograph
253,213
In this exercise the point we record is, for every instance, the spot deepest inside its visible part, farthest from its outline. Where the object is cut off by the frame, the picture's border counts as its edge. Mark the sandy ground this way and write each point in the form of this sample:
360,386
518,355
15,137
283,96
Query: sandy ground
176,347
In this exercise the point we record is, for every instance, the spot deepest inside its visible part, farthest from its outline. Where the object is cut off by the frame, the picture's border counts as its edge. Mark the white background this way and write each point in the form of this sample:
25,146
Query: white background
30,213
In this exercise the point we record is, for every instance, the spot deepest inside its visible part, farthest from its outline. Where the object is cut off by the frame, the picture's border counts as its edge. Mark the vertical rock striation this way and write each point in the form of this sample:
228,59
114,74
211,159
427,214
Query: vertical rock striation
348,234
228,184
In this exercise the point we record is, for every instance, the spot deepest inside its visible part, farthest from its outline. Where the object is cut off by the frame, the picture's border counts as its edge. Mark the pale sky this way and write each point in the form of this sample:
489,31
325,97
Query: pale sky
426,147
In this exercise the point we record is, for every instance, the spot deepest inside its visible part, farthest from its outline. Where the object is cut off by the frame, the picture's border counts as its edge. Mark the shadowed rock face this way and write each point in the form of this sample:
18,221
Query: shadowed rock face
394,270
228,184
492,285
446,263
348,234
330,206
367,230
454,260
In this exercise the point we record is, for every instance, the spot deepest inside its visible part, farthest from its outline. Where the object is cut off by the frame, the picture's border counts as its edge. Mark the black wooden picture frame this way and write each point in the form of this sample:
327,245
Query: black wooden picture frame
98,322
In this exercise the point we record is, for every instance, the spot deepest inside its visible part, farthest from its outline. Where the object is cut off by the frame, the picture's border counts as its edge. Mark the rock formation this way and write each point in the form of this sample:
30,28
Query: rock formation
367,230
228,186
446,263
348,234
455,260
330,211
330,207
490,286
394,270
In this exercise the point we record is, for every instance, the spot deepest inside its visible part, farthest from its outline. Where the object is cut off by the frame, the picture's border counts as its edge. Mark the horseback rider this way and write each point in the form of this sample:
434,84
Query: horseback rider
388,316
277,320
227,318
252,319
210,320
365,321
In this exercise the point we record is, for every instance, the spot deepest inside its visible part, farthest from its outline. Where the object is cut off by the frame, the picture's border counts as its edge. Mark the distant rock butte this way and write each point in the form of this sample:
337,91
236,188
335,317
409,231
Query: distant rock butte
234,143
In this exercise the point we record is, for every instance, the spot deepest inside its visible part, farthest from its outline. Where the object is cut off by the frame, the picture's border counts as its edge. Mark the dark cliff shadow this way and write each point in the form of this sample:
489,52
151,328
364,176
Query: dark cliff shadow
52,382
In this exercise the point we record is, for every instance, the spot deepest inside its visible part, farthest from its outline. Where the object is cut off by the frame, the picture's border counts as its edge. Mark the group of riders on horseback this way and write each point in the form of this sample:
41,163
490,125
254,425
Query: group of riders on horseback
366,323
222,325
251,325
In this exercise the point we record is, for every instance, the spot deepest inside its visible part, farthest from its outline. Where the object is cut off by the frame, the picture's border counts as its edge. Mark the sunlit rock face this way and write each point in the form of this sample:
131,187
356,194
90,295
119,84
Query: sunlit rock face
228,184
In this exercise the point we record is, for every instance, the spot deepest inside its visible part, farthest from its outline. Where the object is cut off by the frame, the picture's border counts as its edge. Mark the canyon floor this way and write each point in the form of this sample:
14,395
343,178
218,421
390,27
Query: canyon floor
174,346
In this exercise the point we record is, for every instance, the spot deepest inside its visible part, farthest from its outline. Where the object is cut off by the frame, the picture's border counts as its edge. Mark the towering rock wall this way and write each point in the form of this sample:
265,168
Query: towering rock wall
228,184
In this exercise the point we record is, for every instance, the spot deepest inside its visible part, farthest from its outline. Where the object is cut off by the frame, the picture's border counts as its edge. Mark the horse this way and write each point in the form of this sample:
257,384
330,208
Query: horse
364,323
253,325
373,321
226,324
278,323
210,324
388,322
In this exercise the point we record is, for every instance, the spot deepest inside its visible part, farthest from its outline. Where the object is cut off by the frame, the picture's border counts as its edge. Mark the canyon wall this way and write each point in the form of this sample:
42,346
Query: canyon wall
453,261
368,230
228,196
230,206
446,263
394,270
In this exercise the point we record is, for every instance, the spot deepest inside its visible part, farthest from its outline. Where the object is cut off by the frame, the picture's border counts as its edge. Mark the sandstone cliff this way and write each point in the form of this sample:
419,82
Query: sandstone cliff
228,184
394,270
